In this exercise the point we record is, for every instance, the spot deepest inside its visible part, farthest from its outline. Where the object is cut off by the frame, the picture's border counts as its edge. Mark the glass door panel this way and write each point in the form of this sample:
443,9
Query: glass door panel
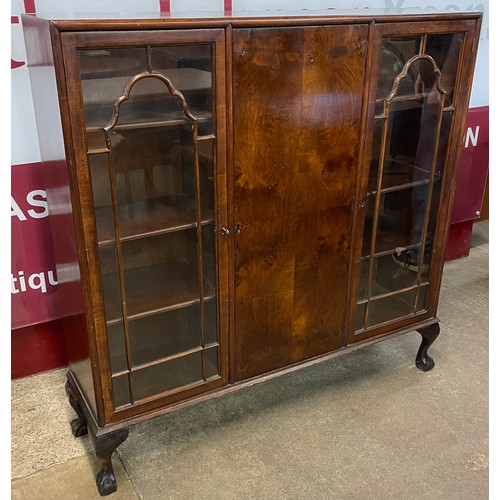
165,334
117,349
168,375
384,309
393,55
445,50
151,142
190,68
412,122
121,390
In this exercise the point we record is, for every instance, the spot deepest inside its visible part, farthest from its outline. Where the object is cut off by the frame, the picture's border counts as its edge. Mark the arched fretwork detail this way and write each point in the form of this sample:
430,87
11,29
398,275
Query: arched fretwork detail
434,93
128,89
404,72
109,129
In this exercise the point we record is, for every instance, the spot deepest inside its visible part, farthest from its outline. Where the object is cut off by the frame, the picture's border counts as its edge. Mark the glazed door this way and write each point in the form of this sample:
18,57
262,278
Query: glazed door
297,113
418,98
150,137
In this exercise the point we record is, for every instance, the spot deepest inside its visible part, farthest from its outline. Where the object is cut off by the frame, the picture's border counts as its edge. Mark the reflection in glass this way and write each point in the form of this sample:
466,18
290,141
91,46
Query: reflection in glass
189,69
445,49
393,56
104,74
422,156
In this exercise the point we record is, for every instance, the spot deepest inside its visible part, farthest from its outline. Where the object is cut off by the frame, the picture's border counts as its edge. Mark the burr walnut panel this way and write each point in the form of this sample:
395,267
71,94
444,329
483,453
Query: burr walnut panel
297,113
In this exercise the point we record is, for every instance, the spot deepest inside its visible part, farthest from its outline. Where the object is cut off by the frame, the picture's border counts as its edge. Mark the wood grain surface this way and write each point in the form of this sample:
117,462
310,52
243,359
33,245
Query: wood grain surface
297,112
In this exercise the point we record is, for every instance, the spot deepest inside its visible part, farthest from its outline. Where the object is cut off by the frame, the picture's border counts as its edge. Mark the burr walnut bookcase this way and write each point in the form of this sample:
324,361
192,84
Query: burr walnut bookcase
234,197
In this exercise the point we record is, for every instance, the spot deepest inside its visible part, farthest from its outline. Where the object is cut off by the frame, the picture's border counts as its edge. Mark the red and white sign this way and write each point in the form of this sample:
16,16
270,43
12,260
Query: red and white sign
473,167
33,275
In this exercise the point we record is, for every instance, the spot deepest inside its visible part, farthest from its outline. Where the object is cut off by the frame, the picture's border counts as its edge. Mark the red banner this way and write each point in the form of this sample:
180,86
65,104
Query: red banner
33,274
473,168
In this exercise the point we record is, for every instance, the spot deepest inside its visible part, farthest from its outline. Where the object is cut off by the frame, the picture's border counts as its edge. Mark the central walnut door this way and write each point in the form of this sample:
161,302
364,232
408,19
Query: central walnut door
297,116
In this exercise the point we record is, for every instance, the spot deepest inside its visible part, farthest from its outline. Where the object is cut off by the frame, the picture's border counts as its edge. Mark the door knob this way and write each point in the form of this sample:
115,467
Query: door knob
224,231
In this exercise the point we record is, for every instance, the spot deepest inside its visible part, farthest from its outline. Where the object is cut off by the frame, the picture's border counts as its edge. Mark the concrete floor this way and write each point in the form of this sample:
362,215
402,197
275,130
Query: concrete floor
364,425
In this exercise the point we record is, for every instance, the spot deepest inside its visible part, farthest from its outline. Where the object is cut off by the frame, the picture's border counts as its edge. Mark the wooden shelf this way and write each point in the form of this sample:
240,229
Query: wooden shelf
104,90
149,218
387,251
155,289
397,175
387,242
381,293
391,308
408,97
150,104
145,118
388,277
398,187
166,359
164,336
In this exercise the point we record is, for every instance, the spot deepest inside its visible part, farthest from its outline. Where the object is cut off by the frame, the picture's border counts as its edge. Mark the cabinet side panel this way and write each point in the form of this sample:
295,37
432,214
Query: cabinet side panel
297,112
57,184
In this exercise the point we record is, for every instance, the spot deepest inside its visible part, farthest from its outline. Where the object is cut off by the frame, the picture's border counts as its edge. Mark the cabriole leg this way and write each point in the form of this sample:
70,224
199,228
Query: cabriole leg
104,447
79,424
429,334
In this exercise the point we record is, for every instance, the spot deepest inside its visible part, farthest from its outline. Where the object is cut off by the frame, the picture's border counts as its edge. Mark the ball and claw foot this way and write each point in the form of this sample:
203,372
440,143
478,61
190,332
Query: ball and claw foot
429,334
425,363
104,446
106,482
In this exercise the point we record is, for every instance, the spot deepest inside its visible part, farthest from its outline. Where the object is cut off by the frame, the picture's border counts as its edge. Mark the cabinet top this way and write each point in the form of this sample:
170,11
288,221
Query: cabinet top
154,20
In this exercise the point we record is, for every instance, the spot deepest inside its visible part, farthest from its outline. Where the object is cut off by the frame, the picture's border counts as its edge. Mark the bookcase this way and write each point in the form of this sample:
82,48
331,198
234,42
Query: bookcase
236,197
